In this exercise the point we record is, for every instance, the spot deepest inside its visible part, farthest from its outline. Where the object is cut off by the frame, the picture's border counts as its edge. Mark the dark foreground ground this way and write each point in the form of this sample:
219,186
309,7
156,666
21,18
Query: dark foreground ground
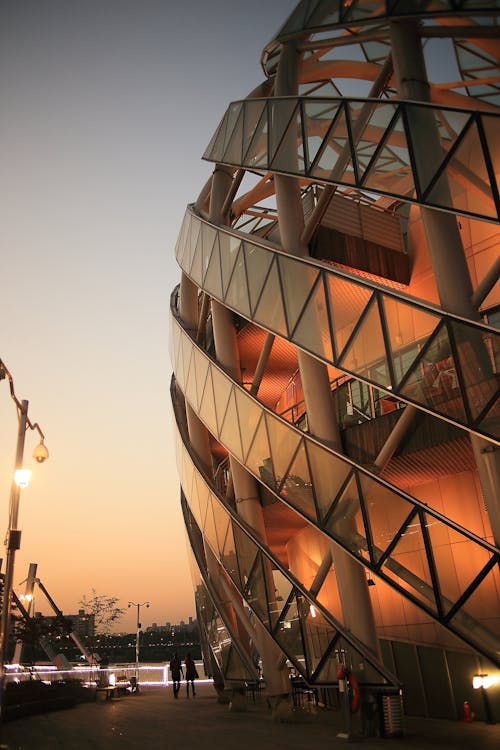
153,720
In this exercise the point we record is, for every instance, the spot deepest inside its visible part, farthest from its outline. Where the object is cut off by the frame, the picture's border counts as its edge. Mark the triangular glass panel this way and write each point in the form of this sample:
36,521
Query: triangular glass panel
456,570
281,115
180,245
229,249
221,518
255,591
466,166
408,328
185,356
207,405
329,474
365,354
233,114
235,668
212,283
269,311
201,364
237,295
290,154
391,165
433,382
214,150
490,424
318,115
252,112
347,302
209,533
345,523
222,391
298,279
328,594
256,155
282,589
313,330
191,391
297,487
289,635
323,14
492,133
334,159
478,618
386,511
249,414
196,271
283,441
408,566
190,489
229,558
474,349
194,243
246,551
318,635
259,456
232,153
230,430
258,262
209,239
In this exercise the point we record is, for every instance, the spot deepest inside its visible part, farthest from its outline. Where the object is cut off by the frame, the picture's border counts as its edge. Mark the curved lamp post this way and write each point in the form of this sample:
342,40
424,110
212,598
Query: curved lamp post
13,538
138,630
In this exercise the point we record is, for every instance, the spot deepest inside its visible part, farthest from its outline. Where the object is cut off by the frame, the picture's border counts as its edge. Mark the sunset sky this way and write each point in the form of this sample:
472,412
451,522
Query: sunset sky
106,107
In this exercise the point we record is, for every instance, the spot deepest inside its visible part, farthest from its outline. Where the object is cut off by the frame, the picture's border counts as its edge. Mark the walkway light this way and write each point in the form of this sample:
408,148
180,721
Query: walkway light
22,477
41,453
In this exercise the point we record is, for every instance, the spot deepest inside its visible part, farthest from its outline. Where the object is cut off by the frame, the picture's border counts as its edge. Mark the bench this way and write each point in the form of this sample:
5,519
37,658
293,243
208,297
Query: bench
107,693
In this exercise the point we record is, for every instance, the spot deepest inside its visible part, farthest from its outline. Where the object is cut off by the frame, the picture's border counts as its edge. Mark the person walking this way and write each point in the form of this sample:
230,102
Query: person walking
176,672
191,674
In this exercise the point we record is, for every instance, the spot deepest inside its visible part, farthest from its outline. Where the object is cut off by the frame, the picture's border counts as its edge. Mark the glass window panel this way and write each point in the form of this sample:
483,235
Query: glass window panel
491,423
207,405
196,271
290,154
298,279
476,365
222,391
458,560
283,442
246,551
252,112
209,533
255,591
492,133
212,282
232,153
334,158
213,152
346,521
328,473
249,414
483,608
407,328
317,118
318,634
229,558
270,310
191,391
408,565
282,590
221,518
313,330
201,365
289,636
256,155
366,354
297,488
230,430
433,382
391,169
229,249
235,669
209,239
258,460
281,112
185,356
233,113
258,262
329,595
347,302
386,512
237,294
180,245
194,239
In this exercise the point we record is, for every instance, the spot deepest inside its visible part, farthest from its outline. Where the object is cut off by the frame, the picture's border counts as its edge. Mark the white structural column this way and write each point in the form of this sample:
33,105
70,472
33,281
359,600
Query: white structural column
245,486
443,237
351,580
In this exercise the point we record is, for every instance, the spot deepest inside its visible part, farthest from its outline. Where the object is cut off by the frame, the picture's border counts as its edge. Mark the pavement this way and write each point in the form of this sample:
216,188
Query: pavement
153,720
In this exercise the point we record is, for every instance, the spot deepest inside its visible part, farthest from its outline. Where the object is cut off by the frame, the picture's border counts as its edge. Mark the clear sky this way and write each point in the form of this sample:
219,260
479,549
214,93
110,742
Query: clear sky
105,109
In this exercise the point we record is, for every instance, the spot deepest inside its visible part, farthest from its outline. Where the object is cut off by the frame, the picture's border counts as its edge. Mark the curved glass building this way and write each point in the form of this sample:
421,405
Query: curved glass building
336,360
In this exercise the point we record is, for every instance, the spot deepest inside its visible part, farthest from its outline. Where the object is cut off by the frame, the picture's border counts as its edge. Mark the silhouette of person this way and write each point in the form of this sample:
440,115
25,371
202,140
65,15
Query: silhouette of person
176,672
191,674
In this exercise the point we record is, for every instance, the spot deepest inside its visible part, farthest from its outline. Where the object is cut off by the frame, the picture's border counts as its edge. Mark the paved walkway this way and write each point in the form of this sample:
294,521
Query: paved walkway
153,720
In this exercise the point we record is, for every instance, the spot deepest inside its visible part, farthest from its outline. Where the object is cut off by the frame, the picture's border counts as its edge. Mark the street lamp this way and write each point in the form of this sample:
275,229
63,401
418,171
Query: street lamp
13,537
135,604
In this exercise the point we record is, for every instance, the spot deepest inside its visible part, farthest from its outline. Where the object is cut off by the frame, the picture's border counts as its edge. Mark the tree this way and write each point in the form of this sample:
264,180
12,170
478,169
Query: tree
104,610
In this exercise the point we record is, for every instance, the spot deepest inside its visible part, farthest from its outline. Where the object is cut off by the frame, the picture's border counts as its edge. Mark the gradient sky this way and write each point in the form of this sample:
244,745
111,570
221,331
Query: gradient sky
106,108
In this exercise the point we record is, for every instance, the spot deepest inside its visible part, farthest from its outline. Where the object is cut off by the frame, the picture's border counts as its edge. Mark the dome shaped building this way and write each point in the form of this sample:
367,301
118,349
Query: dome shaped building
336,361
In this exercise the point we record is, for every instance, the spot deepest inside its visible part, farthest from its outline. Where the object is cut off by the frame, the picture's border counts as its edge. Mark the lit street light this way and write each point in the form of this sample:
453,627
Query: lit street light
13,537
135,604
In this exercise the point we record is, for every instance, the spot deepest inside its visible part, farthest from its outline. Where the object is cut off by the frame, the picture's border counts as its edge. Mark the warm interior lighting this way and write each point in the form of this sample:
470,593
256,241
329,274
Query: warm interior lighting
312,610
22,477
484,681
